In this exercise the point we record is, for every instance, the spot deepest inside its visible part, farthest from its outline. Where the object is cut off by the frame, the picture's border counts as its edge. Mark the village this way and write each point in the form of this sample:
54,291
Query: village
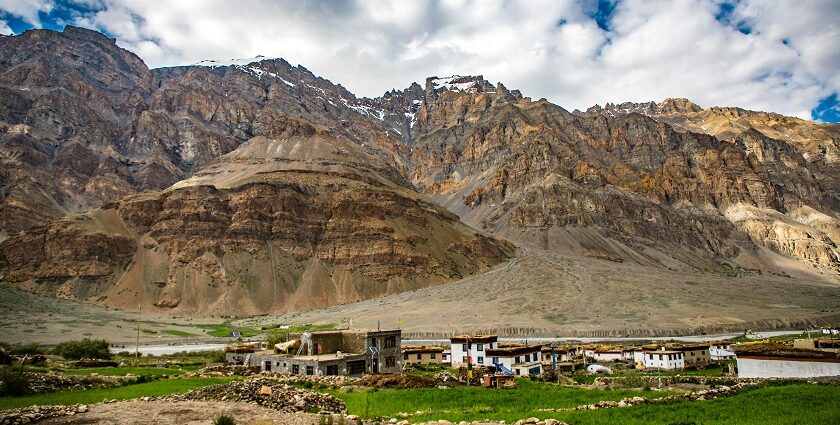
366,377
354,352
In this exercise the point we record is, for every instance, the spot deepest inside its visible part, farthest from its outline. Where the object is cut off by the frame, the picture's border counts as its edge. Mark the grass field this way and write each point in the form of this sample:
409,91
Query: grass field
122,371
156,388
797,403
226,330
472,403
769,405
175,332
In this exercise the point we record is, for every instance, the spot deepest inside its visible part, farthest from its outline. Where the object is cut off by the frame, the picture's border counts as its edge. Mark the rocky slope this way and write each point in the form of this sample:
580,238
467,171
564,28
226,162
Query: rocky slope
633,182
295,219
252,185
84,122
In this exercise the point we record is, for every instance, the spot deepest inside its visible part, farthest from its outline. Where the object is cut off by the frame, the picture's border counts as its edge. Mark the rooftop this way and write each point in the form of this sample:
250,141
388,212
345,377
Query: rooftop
422,349
512,351
474,338
781,350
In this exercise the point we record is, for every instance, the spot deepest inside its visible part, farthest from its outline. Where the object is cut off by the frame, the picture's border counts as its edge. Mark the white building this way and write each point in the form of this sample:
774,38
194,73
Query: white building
608,355
471,349
521,360
721,351
664,359
787,364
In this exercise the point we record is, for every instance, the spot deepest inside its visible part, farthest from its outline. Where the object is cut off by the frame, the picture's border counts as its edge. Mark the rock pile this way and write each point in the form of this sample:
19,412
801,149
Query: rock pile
333,381
444,376
397,381
33,414
267,393
52,382
692,396
229,370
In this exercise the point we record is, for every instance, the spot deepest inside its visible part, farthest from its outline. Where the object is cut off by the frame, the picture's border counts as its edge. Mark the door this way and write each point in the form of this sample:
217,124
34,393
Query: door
267,365
375,365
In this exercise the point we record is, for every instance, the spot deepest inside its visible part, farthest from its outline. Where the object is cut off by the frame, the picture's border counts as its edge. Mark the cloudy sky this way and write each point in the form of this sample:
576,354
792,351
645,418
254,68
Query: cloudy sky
780,55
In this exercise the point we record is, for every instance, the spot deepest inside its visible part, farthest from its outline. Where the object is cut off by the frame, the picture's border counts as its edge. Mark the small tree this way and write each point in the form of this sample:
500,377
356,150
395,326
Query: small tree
86,348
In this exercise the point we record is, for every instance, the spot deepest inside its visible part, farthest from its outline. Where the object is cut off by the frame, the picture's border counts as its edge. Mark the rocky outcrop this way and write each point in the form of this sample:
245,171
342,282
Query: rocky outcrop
255,186
84,122
307,220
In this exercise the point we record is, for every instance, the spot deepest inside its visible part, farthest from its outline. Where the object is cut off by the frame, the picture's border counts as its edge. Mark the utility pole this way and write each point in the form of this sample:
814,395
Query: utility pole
137,342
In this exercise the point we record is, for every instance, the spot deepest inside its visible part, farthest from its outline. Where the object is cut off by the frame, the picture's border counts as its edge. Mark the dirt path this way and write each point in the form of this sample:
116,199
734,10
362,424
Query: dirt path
181,413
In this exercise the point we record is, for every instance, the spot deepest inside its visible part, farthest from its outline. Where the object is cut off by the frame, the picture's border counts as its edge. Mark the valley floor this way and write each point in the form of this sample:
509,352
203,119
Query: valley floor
538,293
541,293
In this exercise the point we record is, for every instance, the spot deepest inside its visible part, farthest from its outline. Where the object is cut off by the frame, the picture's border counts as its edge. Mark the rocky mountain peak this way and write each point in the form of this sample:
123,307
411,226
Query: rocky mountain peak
677,106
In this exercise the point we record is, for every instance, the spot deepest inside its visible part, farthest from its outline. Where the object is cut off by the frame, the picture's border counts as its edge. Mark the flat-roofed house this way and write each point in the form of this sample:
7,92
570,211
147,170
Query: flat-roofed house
520,360
340,352
721,350
695,355
472,349
663,359
605,354
781,361
422,355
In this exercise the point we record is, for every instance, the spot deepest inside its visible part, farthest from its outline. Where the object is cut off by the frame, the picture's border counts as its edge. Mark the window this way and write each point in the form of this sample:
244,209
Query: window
480,360
405,356
495,360
390,341
390,361
310,370
480,347
465,359
295,369
434,356
373,342
660,357
419,356
464,347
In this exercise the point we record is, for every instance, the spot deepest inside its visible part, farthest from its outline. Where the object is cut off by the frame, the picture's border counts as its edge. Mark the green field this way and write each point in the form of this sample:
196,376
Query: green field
122,371
156,388
769,405
175,332
797,403
475,403
226,330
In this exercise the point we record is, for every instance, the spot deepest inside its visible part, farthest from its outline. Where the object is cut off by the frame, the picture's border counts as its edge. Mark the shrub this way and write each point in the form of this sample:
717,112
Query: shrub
13,381
23,349
224,420
85,348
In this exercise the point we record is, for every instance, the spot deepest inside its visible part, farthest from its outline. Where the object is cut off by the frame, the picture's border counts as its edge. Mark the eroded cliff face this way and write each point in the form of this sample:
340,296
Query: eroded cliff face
255,186
84,122
627,183
278,225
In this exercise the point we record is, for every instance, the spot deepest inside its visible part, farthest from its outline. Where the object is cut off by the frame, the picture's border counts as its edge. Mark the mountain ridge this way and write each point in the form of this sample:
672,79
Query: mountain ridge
666,185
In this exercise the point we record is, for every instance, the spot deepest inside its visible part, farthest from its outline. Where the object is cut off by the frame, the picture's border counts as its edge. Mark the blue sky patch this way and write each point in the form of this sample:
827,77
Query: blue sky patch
601,12
725,16
63,13
828,110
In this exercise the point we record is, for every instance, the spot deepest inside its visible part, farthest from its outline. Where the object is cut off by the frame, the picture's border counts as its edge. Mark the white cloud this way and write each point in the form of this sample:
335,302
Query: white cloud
27,9
654,49
4,28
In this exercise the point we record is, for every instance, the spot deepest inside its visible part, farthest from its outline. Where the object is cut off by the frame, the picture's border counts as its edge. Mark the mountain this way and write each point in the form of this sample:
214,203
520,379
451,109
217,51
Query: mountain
636,182
250,186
